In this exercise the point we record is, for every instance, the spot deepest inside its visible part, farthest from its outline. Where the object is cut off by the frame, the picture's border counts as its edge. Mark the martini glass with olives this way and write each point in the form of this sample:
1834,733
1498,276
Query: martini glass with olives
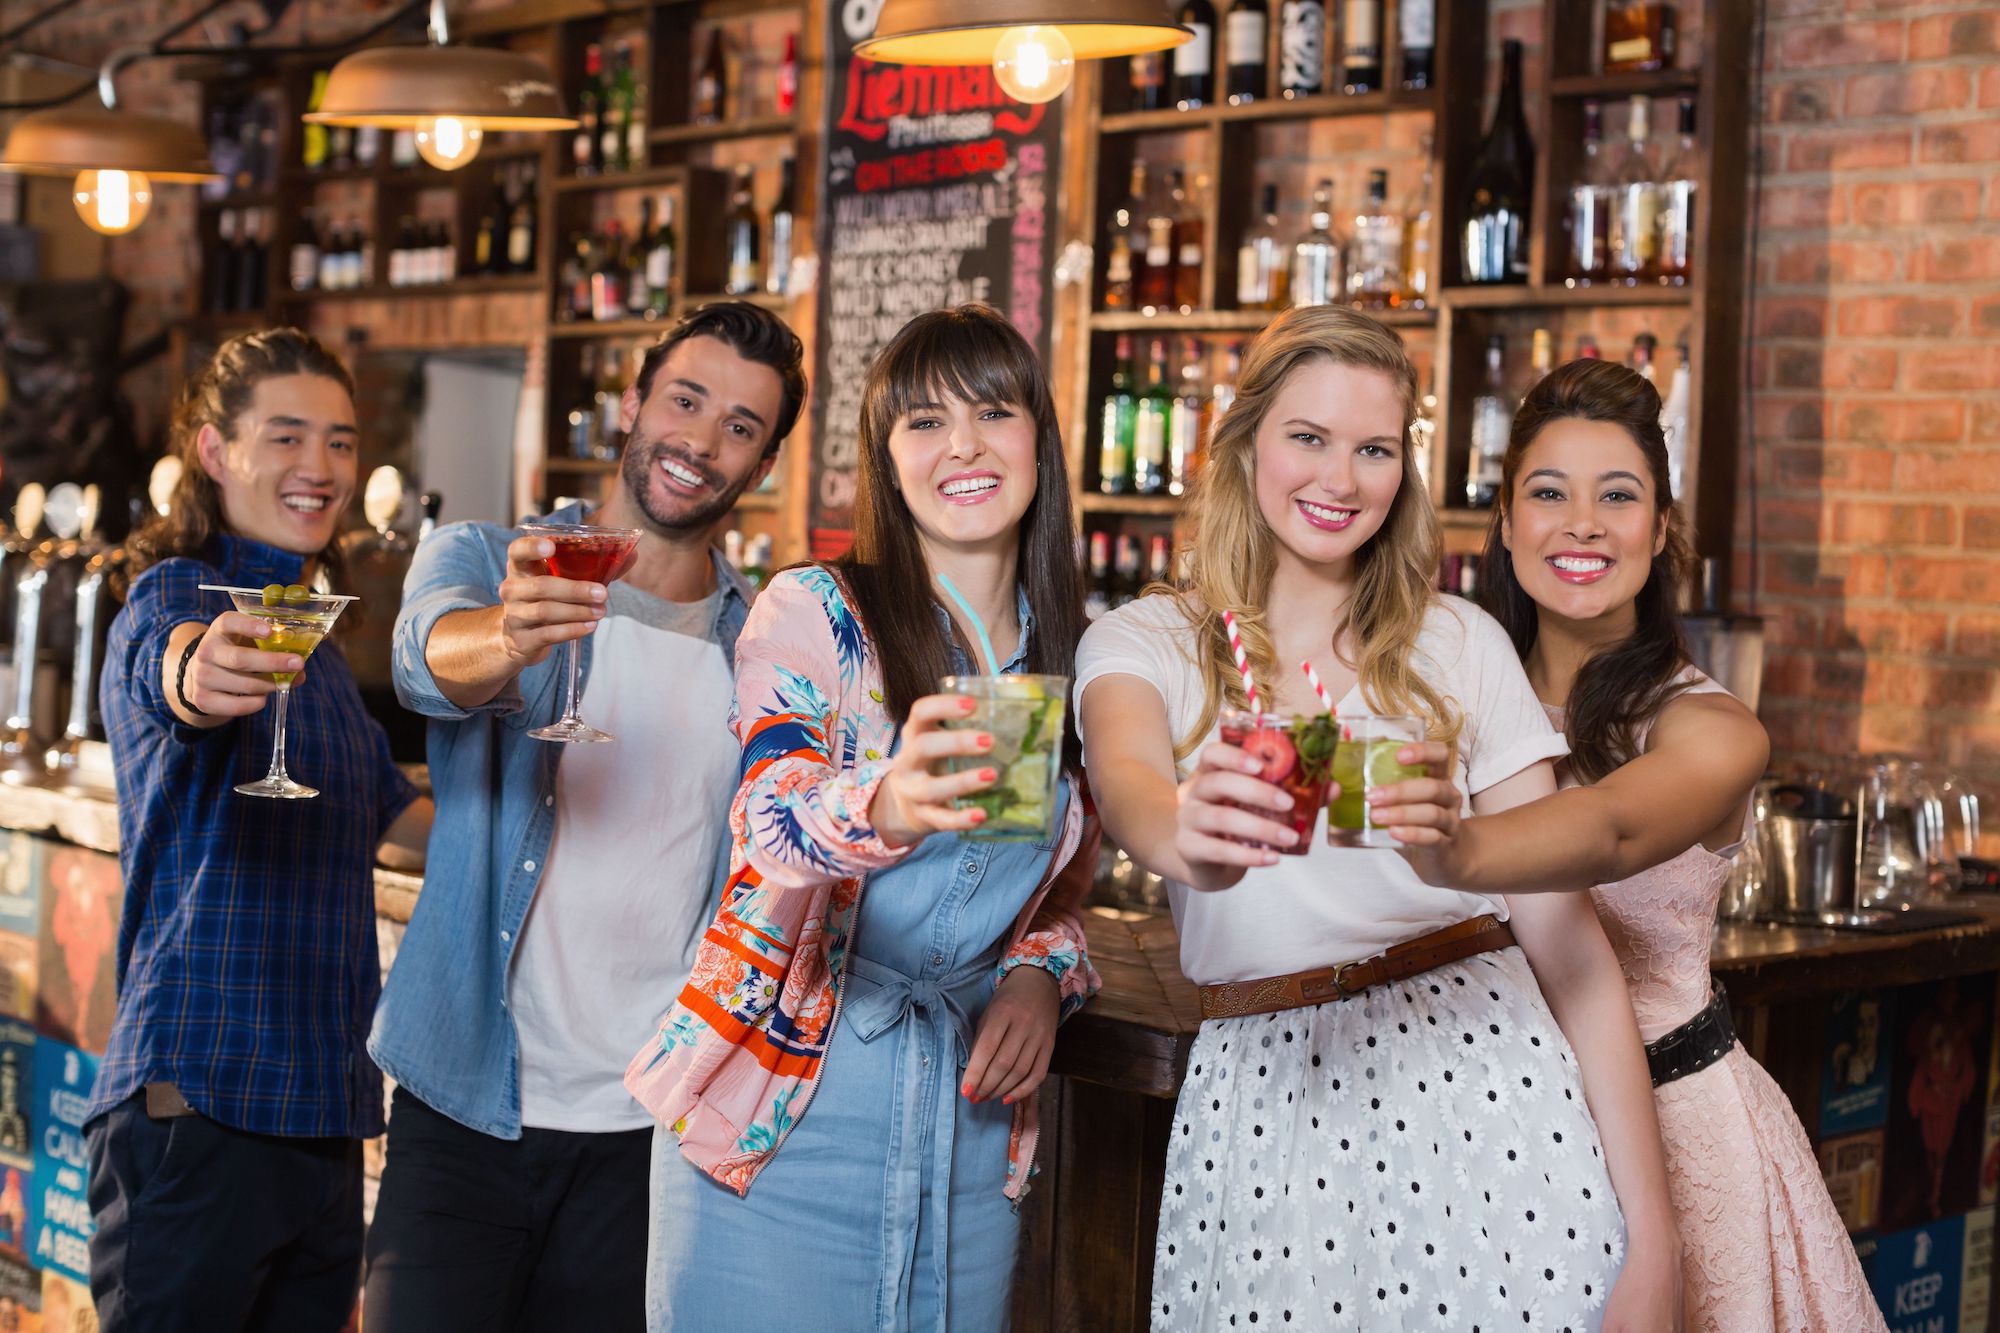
298,619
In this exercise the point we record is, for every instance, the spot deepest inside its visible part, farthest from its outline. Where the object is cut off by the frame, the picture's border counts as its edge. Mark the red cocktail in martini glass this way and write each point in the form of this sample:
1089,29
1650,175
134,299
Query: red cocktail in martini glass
587,554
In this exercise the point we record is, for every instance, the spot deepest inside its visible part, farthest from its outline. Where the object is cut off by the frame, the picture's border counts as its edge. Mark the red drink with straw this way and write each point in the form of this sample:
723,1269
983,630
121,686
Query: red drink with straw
1290,750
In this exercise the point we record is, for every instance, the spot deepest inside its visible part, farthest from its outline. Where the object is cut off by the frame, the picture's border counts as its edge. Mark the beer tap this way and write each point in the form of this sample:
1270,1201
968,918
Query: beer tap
20,753
81,760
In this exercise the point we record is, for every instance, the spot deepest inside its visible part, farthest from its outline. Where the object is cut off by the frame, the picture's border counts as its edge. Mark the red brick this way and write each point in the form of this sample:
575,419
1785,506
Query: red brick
1796,623
1955,367
1986,315
1971,34
1961,687
1795,468
1962,471
1989,86
1901,203
1964,259
1967,141
1855,150
1982,528
1791,317
1908,633
1847,367
1899,317
1875,523
1900,421
1815,206
1908,91
1844,43
1783,522
1788,419
1976,635
1804,101
1857,468
1923,578
1837,261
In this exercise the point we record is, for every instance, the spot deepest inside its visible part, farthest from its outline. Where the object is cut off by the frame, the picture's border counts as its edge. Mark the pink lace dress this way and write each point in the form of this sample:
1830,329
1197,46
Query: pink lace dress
1765,1249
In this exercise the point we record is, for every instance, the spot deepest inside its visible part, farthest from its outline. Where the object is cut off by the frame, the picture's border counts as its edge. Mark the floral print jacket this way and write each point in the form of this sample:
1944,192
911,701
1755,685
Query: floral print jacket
738,1056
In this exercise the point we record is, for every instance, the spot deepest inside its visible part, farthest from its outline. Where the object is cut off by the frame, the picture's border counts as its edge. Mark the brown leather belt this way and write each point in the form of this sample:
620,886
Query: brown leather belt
1296,990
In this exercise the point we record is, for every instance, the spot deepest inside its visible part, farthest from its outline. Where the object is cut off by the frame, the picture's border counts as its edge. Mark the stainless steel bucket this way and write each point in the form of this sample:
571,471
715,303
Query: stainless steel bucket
1809,863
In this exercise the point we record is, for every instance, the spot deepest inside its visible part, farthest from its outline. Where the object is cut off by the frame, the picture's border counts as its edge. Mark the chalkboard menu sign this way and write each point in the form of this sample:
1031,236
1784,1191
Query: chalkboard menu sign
939,188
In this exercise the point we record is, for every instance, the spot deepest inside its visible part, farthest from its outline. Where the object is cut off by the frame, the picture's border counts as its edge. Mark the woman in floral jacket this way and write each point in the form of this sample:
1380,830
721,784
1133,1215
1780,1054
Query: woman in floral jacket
915,1020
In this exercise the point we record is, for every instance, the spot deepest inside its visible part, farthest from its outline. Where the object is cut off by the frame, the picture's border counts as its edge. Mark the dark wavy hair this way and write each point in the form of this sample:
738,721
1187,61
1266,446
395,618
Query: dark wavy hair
1622,688
973,354
756,335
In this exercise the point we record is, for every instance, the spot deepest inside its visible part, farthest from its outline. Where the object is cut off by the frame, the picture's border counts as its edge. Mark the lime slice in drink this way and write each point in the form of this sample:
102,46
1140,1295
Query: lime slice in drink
1383,766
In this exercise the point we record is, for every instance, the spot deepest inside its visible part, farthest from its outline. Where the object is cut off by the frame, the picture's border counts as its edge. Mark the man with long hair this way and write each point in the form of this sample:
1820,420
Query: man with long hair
224,1132
581,877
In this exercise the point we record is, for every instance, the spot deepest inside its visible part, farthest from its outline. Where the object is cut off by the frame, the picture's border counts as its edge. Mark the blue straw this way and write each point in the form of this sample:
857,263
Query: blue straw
985,644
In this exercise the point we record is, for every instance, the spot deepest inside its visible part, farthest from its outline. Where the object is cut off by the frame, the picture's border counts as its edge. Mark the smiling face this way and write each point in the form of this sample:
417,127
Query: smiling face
701,437
1329,459
287,470
1584,521
966,470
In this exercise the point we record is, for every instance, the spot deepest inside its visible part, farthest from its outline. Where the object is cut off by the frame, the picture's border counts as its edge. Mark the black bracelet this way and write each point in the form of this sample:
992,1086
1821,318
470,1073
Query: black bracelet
181,676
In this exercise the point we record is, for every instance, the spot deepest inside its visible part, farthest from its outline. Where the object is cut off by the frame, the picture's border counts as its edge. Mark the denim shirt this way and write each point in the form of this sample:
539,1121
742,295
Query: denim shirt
442,1028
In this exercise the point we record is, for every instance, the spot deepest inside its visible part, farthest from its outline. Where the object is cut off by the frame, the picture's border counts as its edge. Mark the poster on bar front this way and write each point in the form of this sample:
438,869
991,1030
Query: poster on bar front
937,188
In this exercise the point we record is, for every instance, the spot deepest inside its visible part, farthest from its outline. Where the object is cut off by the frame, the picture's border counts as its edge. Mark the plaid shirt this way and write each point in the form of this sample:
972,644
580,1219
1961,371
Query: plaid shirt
247,970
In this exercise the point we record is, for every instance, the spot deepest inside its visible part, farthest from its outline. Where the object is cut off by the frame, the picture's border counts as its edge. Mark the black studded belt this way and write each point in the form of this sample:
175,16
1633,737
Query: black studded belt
1695,1044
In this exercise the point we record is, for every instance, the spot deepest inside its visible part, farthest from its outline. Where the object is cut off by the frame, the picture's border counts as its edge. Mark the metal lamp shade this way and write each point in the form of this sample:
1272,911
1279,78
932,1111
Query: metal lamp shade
964,32
394,87
64,141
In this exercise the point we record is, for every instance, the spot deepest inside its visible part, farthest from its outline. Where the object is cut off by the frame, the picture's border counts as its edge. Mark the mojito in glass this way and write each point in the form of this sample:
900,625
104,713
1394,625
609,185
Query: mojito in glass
1366,760
1024,715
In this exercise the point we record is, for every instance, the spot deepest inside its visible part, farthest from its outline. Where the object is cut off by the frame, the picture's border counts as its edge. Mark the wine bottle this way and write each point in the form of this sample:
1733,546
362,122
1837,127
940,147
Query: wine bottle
745,241
304,265
712,84
1417,26
1244,43
591,112
1316,254
660,262
1149,434
1491,422
1677,195
1189,242
1146,77
1194,61
1497,200
1116,422
1589,213
1301,47
1361,47
778,259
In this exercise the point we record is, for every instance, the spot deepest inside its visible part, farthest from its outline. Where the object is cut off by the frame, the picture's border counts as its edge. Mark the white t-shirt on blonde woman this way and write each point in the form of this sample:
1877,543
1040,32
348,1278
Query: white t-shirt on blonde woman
1332,904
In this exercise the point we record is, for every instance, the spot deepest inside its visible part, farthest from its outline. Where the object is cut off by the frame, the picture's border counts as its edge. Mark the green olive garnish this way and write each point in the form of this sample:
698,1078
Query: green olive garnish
274,593
296,595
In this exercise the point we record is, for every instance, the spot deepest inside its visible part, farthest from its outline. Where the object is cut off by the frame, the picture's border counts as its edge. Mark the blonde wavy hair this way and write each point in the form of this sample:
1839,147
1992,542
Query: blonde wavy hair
1231,549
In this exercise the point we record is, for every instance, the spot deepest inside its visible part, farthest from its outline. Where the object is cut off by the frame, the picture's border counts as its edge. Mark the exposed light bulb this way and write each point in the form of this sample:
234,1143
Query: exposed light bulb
112,202
1035,63
448,142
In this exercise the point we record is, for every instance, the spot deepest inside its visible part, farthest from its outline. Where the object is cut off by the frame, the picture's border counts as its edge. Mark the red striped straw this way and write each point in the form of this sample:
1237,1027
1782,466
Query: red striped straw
1242,661
1319,689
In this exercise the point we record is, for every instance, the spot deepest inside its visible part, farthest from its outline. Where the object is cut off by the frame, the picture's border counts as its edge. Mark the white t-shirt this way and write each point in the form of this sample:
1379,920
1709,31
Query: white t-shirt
1331,905
624,899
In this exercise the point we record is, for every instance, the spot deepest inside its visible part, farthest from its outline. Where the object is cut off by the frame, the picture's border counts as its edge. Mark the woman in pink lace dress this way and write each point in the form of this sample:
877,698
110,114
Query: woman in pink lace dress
1581,568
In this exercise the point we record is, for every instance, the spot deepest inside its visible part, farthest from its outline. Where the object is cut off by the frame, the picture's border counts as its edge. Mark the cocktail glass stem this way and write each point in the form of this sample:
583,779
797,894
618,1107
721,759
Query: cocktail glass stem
573,688
278,776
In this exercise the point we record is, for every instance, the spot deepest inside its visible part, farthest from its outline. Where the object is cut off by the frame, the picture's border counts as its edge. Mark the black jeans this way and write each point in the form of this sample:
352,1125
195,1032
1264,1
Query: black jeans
486,1235
209,1229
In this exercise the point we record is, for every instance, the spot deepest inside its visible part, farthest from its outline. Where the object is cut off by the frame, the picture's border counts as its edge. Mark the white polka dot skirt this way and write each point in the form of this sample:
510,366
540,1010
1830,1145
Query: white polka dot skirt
1418,1157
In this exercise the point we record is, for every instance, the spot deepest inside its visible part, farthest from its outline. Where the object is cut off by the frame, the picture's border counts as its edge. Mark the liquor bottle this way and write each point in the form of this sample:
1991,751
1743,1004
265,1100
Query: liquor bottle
399,253
225,154
483,248
585,148
745,245
711,86
1589,219
446,264
1375,252
1263,261
581,266
1417,26
638,284
340,147
259,137
1125,248
1244,42
1097,582
616,117
1638,35
1126,570
1194,61
1316,254
304,265
1116,424
1491,420
1674,417
422,253
1159,558
1419,225
326,260
313,139
778,262
1586,348
788,76
609,397
1645,348
1423,433
1190,231
1541,360
1149,433
367,145
362,264
221,285
660,262
403,149
1187,421
1224,394
1677,194
1301,47
1146,76
253,272
636,155
521,227
1635,215
1361,46
1156,277
607,281
1497,203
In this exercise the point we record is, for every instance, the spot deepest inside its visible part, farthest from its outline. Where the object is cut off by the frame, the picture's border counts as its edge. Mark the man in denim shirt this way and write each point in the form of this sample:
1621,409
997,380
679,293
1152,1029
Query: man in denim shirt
569,885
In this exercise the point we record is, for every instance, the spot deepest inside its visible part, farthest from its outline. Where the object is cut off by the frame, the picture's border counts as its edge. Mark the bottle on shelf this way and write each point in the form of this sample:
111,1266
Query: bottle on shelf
660,248
1187,420
1263,261
225,153
1244,36
1159,559
521,225
1644,356
636,154
354,258
327,259
1638,35
1375,251
403,150
1223,395
582,418
1635,215
445,266
788,76
1423,432
1419,226
1190,231
1149,433
607,280
1097,577
745,239
303,267
367,146
1194,61
220,294
1125,247
484,249
577,269
711,85
1541,360
1590,202
638,281
253,269
622,93
778,261
586,149
1126,571
606,396
1302,48
1156,275
1417,28
1500,186
1492,417
1361,46
1586,348
399,253
340,147
1316,275
1117,422
314,142
1677,196
1674,417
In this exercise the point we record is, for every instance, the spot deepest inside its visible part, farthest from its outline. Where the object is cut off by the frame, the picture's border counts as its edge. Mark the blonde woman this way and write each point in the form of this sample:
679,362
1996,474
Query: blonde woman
1411,1145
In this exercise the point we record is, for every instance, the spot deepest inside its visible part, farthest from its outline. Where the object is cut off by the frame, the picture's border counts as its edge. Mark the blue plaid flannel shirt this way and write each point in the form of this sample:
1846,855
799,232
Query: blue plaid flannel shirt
247,970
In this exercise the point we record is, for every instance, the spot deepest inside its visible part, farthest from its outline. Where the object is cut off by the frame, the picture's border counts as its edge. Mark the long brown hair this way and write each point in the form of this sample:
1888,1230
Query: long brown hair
973,354
217,397
1234,551
1623,687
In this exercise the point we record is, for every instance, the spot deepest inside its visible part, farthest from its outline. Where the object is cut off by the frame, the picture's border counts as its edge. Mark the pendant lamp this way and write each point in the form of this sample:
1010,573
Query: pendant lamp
1033,45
